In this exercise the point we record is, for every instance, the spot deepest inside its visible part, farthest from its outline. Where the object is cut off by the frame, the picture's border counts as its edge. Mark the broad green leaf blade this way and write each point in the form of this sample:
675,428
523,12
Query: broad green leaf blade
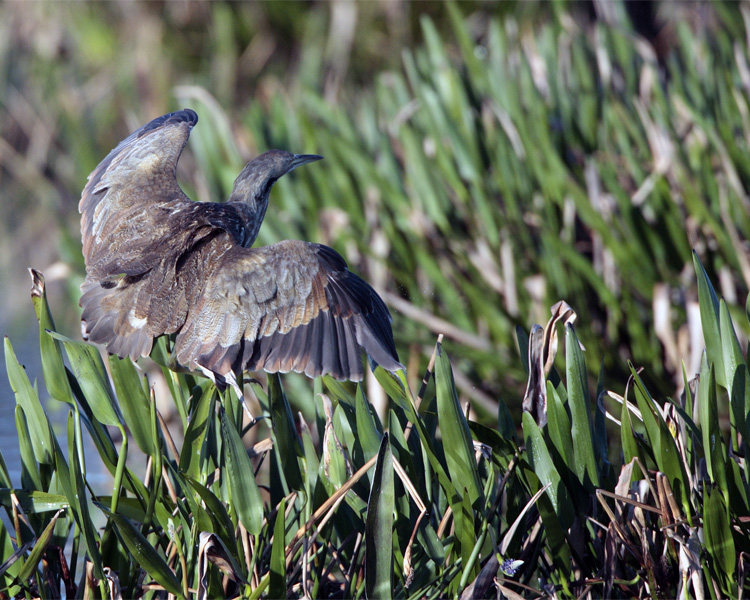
277,582
88,367
311,465
28,399
287,443
30,476
713,446
10,565
53,368
463,517
338,391
580,412
145,555
34,501
558,427
709,309
246,499
397,388
4,474
541,462
368,435
457,443
193,453
79,501
335,461
38,550
665,452
134,402
379,527
217,511
394,385
506,427
730,345
719,540
735,369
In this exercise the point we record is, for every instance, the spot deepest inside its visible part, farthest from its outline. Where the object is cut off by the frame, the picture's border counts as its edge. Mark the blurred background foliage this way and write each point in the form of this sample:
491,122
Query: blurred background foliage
483,160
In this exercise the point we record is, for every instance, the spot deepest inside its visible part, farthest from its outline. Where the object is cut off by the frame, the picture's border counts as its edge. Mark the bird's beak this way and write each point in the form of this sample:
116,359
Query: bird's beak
301,159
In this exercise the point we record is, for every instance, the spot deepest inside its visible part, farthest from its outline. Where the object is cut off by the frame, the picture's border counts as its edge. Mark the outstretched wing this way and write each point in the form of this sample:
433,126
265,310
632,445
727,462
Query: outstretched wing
293,306
117,205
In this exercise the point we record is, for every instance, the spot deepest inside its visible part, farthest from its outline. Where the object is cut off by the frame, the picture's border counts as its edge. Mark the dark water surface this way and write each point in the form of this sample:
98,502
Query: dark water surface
27,352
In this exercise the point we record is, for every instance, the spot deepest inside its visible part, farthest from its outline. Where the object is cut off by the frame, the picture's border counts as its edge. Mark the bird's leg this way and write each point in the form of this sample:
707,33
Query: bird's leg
222,381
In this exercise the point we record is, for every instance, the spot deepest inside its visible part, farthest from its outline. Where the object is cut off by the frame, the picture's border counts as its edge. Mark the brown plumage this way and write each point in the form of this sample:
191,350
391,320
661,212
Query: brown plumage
158,263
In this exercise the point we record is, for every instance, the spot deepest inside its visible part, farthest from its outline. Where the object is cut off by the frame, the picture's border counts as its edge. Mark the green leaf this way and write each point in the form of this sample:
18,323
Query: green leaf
379,527
246,499
145,555
713,446
335,459
719,540
10,565
287,443
558,427
38,550
396,386
88,367
277,582
217,512
134,402
53,368
709,309
734,364
541,462
730,345
193,453
667,457
368,435
311,464
630,447
30,476
580,412
28,399
463,517
506,427
34,501
457,442
79,501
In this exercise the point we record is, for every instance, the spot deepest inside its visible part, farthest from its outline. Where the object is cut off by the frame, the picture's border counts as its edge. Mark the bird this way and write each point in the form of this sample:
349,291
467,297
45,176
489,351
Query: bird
159,263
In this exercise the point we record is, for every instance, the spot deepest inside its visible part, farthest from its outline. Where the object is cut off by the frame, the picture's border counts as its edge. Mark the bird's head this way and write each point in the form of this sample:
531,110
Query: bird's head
255,181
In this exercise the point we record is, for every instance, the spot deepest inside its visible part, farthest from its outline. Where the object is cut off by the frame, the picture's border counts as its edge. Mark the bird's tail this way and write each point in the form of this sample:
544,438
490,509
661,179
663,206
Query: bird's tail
110,317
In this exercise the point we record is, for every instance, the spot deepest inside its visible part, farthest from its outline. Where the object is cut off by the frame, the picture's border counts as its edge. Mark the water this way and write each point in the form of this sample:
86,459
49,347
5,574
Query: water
26,348
27,353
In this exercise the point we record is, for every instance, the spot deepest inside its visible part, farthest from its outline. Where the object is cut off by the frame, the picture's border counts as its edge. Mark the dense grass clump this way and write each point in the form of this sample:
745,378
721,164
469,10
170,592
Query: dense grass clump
425,503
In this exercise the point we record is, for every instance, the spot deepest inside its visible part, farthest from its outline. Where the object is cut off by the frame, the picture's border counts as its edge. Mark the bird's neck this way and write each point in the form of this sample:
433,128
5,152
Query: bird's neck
253,211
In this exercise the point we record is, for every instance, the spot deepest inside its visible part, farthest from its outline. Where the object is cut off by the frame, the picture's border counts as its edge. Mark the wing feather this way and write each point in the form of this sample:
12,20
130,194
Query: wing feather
139,172
293,306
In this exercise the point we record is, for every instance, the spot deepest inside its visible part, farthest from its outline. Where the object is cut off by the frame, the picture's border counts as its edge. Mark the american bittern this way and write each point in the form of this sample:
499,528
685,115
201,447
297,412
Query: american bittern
158,263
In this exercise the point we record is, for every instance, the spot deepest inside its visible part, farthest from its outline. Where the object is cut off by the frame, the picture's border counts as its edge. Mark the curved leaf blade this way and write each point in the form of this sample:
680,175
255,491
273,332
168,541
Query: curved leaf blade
145,554
379,527
243,488
457,442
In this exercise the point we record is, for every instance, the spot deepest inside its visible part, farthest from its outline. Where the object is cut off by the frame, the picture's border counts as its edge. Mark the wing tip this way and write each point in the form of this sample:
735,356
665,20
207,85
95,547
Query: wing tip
186,115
